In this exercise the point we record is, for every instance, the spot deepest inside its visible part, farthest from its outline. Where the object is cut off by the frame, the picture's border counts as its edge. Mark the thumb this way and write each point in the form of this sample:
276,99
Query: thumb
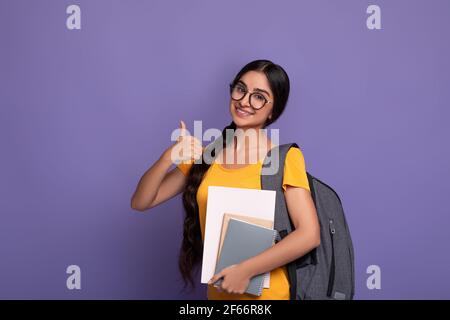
216,277
182,125
182,130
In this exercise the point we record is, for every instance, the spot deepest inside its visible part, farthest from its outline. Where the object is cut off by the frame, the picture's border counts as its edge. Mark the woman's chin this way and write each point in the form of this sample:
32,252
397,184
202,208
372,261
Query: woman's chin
241,122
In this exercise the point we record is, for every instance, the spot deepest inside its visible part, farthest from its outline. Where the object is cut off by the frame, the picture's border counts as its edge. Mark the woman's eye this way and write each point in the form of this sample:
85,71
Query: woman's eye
240,89
259,97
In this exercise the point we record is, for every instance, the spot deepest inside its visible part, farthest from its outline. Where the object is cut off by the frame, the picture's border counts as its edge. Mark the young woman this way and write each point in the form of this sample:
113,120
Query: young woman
258,96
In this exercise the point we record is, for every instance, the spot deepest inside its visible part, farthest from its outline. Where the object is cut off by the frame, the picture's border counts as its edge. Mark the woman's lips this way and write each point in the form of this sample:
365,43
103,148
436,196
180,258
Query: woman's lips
240,112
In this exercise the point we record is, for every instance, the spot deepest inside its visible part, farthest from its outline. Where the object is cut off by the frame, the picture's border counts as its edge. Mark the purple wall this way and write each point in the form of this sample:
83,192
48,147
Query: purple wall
83,113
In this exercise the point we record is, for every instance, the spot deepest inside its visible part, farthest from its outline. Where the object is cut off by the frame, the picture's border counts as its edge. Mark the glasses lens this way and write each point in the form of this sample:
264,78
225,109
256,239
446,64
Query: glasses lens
238,92
257,100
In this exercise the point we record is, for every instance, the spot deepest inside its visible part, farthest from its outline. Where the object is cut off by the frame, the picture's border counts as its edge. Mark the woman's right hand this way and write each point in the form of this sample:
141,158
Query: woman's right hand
157,185
186,149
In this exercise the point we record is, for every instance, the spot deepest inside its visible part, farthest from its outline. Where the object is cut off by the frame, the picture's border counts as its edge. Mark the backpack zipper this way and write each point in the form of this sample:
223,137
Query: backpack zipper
332,267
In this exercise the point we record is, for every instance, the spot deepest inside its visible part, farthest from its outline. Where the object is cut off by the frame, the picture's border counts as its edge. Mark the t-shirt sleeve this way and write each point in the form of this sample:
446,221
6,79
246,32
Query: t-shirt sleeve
184,167
295,170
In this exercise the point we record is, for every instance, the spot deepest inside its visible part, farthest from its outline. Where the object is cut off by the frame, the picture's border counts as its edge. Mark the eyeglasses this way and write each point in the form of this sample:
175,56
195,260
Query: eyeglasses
257,100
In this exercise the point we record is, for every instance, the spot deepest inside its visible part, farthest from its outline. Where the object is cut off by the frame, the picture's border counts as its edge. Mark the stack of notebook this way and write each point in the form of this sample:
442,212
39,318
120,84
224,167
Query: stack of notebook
243,237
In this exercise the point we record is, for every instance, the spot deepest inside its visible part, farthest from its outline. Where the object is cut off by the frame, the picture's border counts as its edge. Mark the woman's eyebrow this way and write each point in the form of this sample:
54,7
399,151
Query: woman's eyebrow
256,89
261,90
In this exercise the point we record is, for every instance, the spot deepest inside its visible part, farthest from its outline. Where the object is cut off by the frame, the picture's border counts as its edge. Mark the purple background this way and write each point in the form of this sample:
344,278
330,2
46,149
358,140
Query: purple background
85,112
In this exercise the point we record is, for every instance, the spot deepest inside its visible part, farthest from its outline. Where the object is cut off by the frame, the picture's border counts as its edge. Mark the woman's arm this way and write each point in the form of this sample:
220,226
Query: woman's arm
155,186
299,242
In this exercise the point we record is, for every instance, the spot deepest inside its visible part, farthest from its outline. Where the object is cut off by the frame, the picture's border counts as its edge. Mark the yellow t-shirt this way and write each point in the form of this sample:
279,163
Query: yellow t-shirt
249,177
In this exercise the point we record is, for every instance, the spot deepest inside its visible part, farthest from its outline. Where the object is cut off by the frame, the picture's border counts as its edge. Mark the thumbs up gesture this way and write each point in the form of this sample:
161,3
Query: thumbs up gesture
187,148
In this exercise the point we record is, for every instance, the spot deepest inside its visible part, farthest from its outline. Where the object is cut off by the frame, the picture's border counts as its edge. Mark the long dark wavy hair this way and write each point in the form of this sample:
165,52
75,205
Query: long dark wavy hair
192,245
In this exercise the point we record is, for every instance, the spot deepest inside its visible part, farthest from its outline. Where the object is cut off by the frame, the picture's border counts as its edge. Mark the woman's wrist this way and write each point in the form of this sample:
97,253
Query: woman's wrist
167,156
248,268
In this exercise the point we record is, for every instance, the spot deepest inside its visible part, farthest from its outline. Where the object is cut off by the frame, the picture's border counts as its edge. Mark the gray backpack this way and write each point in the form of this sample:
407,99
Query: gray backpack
326,272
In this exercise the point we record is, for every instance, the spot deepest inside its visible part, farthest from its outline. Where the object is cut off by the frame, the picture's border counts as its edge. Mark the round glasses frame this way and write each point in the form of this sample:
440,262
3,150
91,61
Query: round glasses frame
250,97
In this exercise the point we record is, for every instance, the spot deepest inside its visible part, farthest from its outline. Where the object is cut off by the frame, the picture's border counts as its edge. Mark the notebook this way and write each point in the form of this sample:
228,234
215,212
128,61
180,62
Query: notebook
244,240
255,220
226,218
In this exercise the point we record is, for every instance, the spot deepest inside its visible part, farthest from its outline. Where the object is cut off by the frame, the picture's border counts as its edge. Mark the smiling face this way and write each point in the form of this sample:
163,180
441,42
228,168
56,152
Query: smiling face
244,116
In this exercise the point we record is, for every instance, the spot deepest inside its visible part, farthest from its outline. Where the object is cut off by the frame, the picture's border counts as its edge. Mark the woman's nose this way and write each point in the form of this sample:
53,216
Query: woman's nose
246,100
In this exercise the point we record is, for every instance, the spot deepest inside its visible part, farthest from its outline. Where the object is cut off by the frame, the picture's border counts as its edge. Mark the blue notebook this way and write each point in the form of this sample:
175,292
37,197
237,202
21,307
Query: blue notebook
244,240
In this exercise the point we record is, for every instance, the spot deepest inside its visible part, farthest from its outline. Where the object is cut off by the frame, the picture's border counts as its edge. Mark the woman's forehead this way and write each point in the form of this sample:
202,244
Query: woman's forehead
255,80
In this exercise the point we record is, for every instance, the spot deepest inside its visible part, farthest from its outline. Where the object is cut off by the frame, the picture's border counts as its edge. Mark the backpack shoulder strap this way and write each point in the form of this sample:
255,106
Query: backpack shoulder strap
272,179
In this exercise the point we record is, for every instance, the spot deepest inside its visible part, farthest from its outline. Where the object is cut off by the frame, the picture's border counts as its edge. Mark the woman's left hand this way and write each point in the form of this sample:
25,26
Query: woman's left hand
235,279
